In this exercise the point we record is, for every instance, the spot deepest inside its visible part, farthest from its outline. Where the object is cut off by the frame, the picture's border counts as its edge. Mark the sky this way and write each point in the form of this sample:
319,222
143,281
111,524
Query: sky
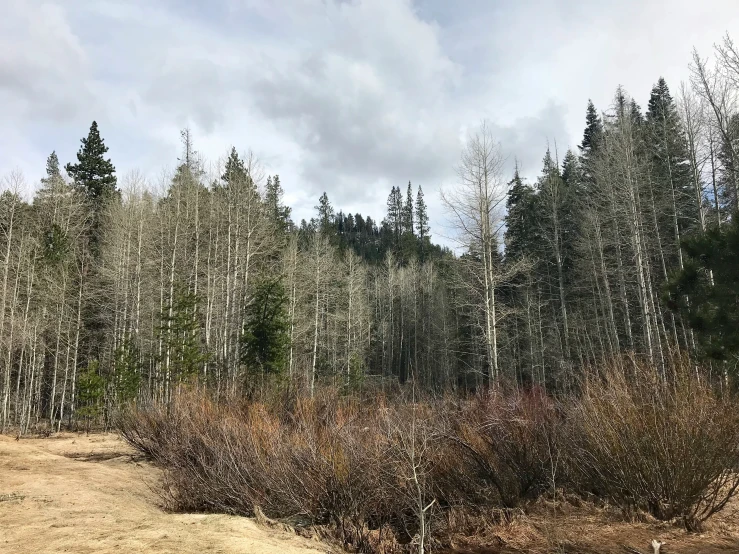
350,97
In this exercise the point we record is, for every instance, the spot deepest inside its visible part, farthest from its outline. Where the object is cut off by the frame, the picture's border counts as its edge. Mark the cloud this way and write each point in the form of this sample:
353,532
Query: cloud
43,66
351,96
369,102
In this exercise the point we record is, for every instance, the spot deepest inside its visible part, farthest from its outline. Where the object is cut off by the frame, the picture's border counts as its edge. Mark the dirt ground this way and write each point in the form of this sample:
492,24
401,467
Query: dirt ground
74,493
582,528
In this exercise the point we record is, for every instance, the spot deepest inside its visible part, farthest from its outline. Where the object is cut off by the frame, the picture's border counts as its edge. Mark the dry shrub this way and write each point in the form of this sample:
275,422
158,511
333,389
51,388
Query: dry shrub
508,441
380,473
323,462
392,474
669,446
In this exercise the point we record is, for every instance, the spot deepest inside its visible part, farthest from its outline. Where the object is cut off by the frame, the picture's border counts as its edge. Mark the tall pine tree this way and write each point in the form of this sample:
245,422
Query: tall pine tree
593,130
407,216
325,214
235,172
521,234
423,231
93,173
394,218
278,212
670,165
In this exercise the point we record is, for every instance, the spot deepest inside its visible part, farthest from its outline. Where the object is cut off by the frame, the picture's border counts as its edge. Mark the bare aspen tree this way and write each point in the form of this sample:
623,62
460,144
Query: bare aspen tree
553,197
692,112
290,271
715,86
12,186
356,310
475,208
319,262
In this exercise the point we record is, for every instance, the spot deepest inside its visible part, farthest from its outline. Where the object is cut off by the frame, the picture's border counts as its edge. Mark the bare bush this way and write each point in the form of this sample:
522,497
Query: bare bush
317,464
669,447
509,442
398,475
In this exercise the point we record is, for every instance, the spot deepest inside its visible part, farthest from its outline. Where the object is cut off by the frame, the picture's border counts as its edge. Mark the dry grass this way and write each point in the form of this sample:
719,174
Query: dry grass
562,527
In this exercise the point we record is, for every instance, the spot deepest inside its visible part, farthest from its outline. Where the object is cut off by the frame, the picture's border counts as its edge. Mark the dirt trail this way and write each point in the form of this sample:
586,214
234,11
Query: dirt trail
75,493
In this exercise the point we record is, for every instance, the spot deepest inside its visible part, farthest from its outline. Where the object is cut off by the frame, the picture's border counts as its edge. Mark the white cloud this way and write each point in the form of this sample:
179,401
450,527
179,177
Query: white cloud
349,96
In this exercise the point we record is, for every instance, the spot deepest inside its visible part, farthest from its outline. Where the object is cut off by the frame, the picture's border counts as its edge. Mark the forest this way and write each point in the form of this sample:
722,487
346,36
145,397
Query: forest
626,246
622,254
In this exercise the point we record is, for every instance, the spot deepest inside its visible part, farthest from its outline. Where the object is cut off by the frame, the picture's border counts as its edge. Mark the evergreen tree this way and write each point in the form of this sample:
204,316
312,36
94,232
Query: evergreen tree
325,214
575,191
706,291
522,240
190,157
728,172
235,172
670,162
277,211
407,216
55,243
93,173
94,177
591,140
422,218
571,169
53,173
267,328
394,217
127,374
91,392
593,130
181,333
521,234
408,247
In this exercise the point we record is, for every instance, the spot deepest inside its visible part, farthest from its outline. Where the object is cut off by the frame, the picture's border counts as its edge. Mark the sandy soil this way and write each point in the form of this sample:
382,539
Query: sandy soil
74,493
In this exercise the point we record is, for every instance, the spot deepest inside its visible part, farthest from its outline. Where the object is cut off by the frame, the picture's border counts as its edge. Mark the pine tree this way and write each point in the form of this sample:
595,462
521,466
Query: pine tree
407,217
522,241
127,374
706,291
53,184
394,217
575,191
267,329
91,392
94,177
408,246
276,210
53,172
670,163
521,236
422,218
593,130
555,221
94,174
592,137
235,172
181,333
190,157
571,169
325,214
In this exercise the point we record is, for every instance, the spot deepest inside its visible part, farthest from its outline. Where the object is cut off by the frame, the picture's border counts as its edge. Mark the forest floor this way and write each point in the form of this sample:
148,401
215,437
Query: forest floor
83,494
577,527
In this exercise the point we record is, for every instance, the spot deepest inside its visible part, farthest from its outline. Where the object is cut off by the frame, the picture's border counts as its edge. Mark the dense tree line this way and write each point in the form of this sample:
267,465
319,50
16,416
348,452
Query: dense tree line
115,290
